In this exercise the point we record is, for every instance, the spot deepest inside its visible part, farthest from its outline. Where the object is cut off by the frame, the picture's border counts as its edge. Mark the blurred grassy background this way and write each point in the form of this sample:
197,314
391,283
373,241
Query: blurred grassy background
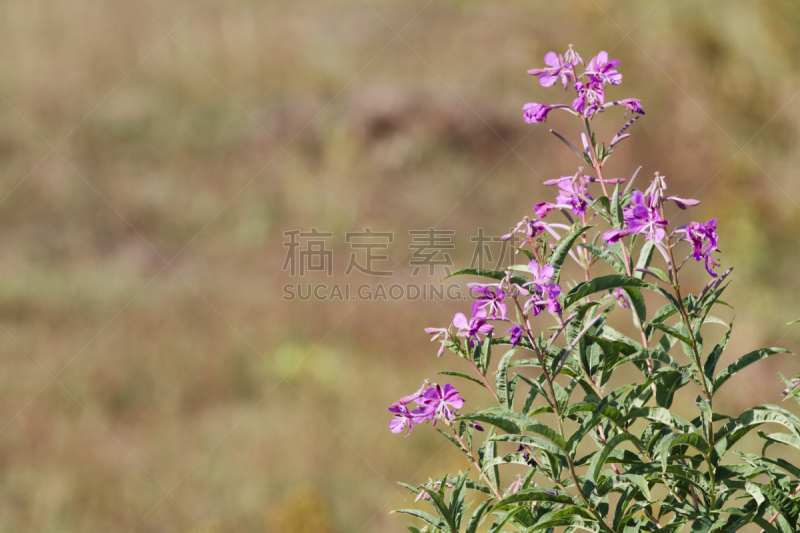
144,191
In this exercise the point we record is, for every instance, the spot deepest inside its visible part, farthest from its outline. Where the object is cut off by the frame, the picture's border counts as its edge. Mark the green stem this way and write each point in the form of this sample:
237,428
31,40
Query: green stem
475,463
704,382
570,462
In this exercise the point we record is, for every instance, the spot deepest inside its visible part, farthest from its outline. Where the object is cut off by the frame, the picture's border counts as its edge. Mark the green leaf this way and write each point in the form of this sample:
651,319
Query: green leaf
441,507
603,283
533,442
484,352
527,253
626,480
600,458
580,155
487,452
787,507
536,389
591,421
574,523
575,326
645,256
604,255
672,332
457,496
616,206
477,516
454,440
549,434
563,246
637,303
494,274
506,424
510,459
461,375
780,438
692,439
659,414
743,362
504,518
502,379
667,387
716,354
422,515
534,495
735,429
655,354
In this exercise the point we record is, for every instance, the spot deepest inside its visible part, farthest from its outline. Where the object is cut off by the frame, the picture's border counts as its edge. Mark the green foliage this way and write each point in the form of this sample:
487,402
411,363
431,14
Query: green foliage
613,460
563,488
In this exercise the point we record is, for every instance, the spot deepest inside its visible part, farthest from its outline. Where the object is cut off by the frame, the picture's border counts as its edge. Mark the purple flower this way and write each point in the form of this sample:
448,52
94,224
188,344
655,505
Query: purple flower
614,235
619,294
529,228
602,70
436,332
514,487
590,97
572,57
405,400
541,275
571,194
433,402
704,241
491,299
535,304
470,329
401,420
536,113
556,68
516,334
403,416
683,203
633,104
655,191
529,459
542,208
440,402
433,485
641,218
548,298
551,293
795,382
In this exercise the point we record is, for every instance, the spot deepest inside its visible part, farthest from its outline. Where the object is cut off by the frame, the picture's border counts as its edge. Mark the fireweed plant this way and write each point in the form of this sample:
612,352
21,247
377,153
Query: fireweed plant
592,458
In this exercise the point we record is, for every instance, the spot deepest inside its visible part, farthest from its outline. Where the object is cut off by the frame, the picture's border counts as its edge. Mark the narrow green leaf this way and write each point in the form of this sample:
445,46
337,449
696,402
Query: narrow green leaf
494,274
580,155
672,332
534,495
477,517
645,256
563,246
502,379
422,515
604,255
600,458
743,362
787,507
506,424
461,375
716,354
603,283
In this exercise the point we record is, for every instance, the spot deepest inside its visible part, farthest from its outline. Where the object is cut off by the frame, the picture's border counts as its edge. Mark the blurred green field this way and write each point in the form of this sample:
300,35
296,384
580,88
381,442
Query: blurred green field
153,153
